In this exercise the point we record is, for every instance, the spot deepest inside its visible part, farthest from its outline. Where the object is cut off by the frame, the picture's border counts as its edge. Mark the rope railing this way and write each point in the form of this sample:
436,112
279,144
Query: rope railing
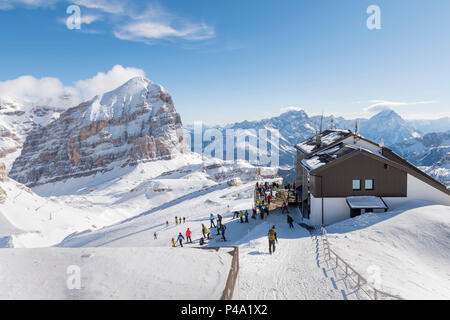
344,266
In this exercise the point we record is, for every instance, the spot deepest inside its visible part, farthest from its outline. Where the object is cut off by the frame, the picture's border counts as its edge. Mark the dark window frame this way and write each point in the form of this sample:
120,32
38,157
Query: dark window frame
359,185
373,184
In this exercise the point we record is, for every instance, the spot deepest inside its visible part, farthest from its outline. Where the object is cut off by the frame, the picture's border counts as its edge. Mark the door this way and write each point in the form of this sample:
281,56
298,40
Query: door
355,213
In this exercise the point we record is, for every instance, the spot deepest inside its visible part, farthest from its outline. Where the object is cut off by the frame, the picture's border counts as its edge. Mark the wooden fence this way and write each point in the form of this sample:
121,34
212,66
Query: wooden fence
231,283
372,292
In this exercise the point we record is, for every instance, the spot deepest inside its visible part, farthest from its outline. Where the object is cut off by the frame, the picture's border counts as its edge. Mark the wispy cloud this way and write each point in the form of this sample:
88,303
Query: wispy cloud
380,105
290,108
130,20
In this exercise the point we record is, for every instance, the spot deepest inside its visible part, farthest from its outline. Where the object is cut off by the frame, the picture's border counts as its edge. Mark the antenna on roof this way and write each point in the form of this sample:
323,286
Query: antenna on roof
318,139
321,122
356,136
381,143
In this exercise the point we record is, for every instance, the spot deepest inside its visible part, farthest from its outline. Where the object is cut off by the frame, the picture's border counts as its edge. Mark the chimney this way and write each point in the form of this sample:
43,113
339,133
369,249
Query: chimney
356,136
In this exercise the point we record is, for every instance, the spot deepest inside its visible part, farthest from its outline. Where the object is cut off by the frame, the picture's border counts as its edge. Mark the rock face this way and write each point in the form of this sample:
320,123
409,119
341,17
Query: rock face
135,122
17,120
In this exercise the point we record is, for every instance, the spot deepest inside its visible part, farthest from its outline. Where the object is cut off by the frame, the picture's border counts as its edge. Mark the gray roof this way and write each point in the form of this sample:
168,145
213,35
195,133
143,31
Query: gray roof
327,137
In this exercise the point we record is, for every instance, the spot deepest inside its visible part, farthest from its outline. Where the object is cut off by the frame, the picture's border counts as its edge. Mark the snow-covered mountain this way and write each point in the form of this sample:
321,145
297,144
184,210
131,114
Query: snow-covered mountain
389,126
430,152
17,120
135,122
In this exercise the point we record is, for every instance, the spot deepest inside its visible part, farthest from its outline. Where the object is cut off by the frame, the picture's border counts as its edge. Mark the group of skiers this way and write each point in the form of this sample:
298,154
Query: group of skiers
265,194
178,220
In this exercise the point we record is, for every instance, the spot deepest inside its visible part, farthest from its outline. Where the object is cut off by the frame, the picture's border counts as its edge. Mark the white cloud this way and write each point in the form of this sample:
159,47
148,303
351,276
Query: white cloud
52,92
290,108
109,6
104,82
11,4
149,30
380,105
130,20
44,91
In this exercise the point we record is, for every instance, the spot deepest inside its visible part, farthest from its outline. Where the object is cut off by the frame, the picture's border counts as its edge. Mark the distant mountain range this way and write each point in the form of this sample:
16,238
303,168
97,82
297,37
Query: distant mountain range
402,136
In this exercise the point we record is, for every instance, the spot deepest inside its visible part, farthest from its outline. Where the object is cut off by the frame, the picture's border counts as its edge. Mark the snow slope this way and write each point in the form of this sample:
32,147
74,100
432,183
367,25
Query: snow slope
295,271
59,209
410,246
120,273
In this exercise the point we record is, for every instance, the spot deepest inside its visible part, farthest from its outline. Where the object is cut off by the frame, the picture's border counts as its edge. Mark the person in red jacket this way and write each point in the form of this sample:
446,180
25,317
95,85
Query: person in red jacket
188,235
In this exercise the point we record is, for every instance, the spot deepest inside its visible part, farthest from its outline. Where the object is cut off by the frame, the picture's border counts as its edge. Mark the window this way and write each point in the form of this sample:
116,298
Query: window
356,184
369,185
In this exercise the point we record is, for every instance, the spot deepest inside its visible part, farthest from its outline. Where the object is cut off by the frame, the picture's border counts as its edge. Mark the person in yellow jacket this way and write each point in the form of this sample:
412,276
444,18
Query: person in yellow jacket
173,242
208,232
272,238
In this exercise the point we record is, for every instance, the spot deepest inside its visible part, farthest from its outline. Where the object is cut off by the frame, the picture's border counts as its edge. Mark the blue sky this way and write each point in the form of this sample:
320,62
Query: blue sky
226,61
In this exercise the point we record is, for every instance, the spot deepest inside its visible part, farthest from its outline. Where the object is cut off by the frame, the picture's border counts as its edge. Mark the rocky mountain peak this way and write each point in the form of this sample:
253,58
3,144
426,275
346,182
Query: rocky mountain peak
135,122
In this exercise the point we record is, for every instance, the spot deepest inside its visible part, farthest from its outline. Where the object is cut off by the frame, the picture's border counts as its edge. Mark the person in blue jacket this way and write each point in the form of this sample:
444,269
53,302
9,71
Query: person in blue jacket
180,239
211,219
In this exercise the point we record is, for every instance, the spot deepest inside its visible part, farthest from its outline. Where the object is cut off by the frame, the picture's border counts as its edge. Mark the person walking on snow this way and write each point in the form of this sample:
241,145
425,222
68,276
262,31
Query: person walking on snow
208,232
167,223
180,239
184,219
236,214
290,221
173,242
203,230
155,236
176,220
188,236
272,239
241,216
222,229
211,219
246,216
218,226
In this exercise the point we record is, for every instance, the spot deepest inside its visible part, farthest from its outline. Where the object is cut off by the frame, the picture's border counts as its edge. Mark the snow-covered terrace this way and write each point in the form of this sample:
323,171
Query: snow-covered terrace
327,137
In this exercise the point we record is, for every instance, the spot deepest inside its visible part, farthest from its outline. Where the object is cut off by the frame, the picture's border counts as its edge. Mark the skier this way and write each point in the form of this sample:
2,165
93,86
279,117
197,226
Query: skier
211,219
176,220
246,216
218,226
167,223
222,229
289,221
180,239
155,236
184,219
203,230
173,242
272,238
241,215
188,236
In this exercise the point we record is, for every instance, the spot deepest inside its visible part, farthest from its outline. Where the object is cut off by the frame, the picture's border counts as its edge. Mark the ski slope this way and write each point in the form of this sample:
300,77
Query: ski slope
295,271
120,273
409,246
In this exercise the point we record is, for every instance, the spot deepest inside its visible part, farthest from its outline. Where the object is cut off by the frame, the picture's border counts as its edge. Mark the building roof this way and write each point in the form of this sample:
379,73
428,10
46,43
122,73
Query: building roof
327,138
337,153
366,202
331,154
